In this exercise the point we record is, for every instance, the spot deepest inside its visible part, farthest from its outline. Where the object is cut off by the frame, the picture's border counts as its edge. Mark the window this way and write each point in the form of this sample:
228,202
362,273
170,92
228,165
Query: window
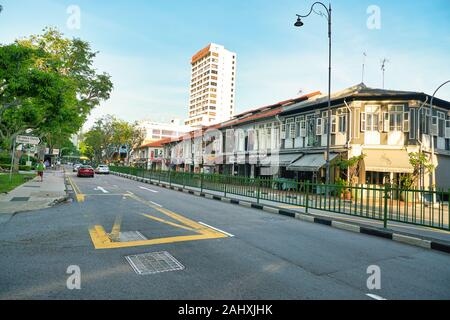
441,124
396,115
343,123
319,126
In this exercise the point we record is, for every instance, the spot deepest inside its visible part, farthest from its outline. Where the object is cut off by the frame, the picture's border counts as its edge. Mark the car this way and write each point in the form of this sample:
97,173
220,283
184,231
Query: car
102,169
85,171
76,167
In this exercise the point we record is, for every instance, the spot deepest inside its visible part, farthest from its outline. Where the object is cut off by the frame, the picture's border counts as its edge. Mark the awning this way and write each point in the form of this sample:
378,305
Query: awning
282,160
443,171
387,161
311,162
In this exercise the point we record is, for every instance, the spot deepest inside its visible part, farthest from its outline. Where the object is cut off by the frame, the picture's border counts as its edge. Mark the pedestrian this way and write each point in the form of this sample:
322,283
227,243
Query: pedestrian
40,170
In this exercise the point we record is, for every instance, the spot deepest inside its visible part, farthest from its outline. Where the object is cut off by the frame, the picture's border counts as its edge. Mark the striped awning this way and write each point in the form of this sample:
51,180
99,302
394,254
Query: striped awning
311,162
382,160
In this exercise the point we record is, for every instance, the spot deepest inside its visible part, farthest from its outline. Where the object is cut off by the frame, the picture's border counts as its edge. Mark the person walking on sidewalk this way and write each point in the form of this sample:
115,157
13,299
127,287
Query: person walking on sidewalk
40,169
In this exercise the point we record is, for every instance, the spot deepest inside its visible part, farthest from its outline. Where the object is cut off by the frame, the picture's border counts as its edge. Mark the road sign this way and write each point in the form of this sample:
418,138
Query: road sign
28,140
55,152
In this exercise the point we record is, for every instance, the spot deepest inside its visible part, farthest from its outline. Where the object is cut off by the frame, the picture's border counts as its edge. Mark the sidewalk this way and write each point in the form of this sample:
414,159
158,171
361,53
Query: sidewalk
34,194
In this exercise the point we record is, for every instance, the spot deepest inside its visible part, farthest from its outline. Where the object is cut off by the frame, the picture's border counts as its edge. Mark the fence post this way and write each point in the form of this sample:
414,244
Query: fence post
225,187
307,196
385,212
170,178
258,192
201,182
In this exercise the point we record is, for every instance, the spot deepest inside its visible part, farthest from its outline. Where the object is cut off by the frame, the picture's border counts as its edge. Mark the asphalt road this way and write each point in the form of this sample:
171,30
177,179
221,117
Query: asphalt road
236,253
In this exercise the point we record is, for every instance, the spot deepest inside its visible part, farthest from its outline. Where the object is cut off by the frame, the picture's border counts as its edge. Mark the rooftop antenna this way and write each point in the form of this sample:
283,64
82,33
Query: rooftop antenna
383,67
363,66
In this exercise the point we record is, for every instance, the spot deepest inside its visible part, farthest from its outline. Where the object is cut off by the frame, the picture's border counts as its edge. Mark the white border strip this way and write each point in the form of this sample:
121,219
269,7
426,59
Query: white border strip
221,231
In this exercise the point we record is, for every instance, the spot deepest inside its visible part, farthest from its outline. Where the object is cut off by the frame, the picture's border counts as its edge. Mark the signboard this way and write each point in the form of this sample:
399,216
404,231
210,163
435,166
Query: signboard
28,140
55,152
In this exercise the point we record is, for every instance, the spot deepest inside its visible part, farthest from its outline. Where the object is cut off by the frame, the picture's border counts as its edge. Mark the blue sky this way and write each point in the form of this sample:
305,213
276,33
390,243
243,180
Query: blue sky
146,46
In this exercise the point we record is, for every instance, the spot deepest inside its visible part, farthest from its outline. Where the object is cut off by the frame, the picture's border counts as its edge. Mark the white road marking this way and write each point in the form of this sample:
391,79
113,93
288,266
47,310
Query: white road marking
154,191
101,189
207,225
156,204
374,296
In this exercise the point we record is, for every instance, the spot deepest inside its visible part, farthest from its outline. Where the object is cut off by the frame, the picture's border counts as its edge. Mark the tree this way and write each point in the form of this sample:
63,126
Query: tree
350,168
48,83
109,134
420,163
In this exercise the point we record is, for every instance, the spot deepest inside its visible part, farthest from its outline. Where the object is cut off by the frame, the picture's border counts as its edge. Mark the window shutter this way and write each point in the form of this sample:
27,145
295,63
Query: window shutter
363,121
334,124
302,128
412,123
447,129
405,121
386,121
283,132
319,127
434,126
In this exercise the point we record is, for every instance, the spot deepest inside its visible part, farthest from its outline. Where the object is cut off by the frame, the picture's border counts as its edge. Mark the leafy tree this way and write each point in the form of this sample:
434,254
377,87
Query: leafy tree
350,168
48,83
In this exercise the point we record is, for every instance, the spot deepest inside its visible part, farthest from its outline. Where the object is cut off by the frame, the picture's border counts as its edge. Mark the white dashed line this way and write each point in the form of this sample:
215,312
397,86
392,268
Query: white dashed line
156,204
143,188
207,225
374,296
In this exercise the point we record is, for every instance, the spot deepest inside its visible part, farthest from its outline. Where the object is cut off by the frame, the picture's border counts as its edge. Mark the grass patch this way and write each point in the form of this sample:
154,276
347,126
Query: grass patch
17,180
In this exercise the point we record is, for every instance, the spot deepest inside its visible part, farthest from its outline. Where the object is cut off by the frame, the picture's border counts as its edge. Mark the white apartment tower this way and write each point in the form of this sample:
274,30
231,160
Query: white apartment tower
212,90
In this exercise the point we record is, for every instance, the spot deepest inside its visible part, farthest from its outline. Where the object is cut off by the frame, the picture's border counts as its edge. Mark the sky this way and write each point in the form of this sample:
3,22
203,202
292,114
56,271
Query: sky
146,46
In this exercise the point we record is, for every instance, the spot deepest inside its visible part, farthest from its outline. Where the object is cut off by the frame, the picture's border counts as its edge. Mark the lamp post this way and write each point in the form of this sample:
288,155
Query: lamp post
433,172
299,23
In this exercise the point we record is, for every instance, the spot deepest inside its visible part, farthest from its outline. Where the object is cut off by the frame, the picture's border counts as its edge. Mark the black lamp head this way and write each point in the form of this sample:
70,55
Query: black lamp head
299,22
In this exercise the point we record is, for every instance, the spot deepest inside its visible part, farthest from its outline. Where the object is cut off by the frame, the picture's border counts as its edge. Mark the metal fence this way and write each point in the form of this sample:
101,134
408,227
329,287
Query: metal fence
422,207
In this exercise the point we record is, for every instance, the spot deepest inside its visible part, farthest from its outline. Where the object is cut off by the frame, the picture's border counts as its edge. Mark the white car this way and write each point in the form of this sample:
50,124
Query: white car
76,167
102,169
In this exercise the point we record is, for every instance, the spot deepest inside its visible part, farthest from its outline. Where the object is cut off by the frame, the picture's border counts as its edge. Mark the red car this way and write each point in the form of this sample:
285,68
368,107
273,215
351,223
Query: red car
85,171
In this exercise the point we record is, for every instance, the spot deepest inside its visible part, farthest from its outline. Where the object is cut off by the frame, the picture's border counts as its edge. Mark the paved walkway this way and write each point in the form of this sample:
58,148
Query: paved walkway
34,195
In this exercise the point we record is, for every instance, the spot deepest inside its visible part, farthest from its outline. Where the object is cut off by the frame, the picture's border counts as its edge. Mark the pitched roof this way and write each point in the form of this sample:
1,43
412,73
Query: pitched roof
362,92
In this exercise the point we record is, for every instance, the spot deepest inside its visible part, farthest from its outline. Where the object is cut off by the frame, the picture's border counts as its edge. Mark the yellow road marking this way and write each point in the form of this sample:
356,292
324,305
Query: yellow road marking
78,194
101,240
115,232
168,222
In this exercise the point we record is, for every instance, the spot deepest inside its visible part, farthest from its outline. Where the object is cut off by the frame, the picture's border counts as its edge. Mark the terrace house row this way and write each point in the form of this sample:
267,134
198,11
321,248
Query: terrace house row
289,139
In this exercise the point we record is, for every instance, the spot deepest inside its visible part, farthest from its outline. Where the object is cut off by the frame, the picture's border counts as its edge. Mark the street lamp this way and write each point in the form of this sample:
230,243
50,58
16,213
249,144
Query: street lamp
433,172
299,23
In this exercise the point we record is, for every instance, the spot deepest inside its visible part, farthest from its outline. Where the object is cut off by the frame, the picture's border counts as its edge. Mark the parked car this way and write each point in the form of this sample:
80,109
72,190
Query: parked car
86,171
76,167
102,169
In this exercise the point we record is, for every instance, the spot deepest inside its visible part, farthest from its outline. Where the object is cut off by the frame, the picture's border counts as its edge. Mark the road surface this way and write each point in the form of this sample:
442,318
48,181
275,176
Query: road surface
224,251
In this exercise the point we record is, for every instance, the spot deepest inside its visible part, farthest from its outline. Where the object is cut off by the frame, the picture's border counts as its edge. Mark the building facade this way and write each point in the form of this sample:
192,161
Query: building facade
289,139
212,86
155,131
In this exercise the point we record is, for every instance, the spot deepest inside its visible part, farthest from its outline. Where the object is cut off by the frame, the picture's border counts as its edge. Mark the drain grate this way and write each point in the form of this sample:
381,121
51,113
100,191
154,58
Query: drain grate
155,262
17,199
131,236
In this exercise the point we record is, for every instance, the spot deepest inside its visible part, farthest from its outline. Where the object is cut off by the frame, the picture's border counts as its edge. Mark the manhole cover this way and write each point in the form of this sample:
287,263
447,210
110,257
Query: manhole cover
17,199
155,262
131,236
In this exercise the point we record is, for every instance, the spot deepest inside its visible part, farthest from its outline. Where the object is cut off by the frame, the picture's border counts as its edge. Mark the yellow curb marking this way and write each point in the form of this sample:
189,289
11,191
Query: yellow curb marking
78,195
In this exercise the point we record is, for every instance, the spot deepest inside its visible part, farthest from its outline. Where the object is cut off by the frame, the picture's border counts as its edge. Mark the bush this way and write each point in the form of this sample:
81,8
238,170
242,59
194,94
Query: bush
5,166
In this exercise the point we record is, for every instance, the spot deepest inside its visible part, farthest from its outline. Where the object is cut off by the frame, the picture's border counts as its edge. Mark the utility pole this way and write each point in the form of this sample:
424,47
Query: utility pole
383,67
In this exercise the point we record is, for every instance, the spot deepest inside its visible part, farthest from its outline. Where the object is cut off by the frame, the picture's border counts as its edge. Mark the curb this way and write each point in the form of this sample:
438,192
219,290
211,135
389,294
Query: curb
313,218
